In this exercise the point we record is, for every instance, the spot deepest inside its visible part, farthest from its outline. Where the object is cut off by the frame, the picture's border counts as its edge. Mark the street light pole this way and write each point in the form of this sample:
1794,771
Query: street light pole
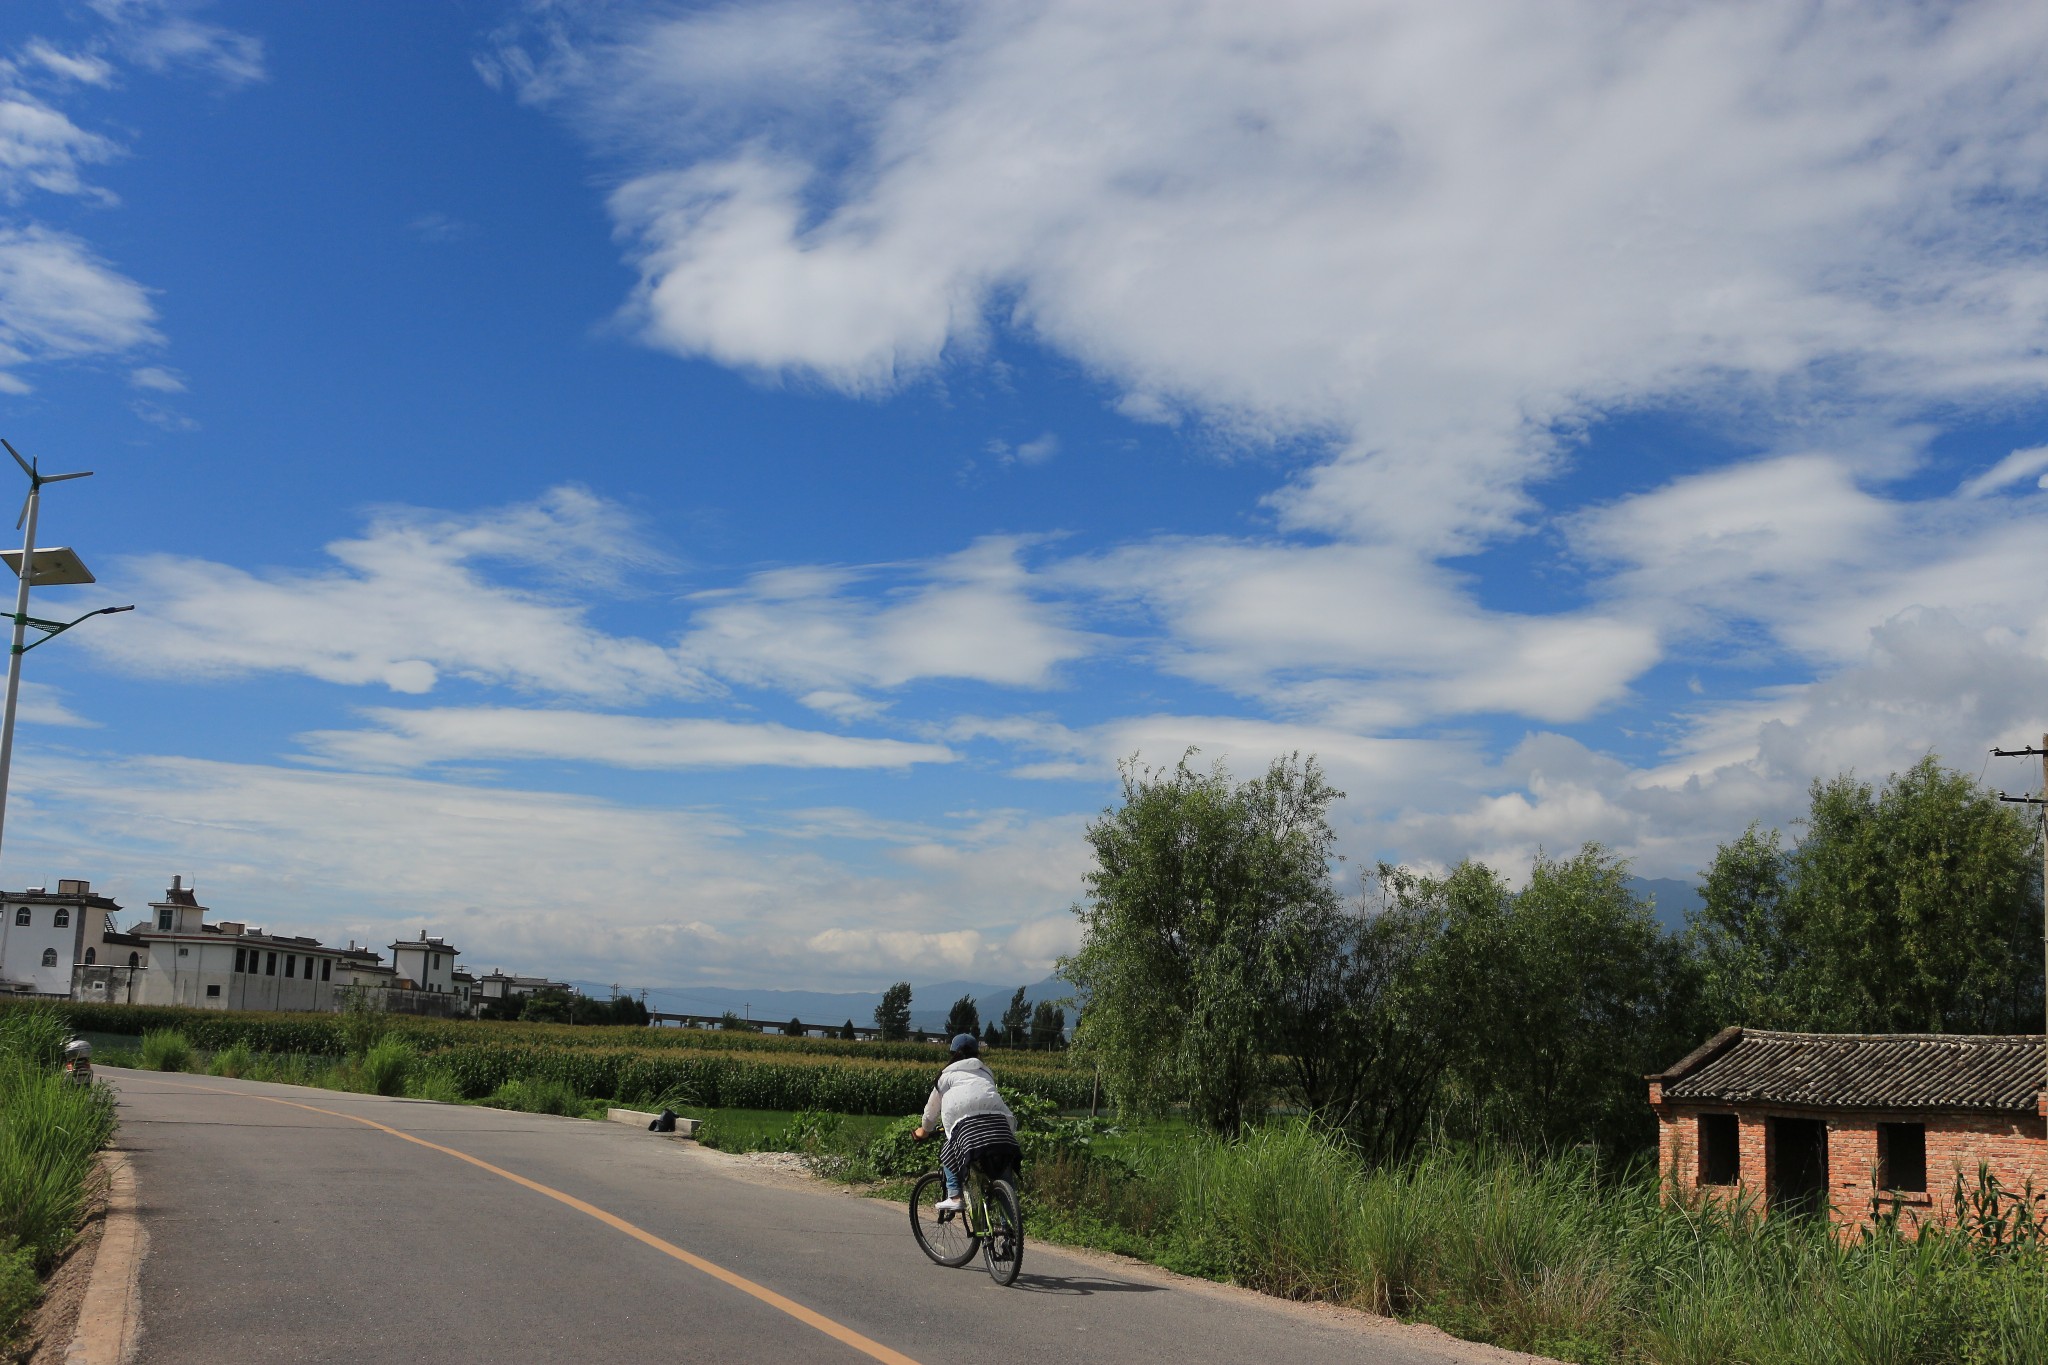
14,653
58,566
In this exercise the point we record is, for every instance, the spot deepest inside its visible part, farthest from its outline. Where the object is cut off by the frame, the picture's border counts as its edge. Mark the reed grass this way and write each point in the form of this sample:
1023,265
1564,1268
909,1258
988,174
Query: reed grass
1552,1256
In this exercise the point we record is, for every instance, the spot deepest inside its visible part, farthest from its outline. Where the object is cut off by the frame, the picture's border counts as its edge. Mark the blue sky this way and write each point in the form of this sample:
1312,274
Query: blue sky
707,494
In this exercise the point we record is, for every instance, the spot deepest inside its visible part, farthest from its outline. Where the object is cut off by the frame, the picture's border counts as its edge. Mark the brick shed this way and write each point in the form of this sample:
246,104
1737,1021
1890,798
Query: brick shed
1798,1119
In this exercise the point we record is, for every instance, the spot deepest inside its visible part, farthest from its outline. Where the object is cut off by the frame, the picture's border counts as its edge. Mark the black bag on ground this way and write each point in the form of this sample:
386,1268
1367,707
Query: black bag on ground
664,1123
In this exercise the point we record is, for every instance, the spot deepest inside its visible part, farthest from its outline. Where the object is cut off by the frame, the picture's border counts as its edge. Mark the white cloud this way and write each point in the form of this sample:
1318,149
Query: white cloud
84,67
1370,635
542,880
2018,467
156,379
416,739
42,149
408,602
164,35
1436,234
59,301
970,615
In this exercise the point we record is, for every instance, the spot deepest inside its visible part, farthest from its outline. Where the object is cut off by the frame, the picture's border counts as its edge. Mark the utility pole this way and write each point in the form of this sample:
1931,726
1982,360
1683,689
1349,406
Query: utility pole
2039,801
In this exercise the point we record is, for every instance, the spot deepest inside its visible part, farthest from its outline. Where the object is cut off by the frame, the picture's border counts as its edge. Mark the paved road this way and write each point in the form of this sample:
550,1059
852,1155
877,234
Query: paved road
278,1233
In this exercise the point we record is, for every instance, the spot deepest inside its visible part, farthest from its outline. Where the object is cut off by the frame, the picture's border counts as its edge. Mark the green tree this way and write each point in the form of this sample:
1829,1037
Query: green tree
1016,1029
793,1029
734,1023
847,1032
991,1036
892,1016
546,1007
964,1017
1204,898
1587,995
1914,907
1048,1027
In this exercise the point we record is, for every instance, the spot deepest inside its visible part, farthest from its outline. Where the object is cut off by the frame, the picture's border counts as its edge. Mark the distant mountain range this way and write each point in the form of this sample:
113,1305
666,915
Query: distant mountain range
930,1004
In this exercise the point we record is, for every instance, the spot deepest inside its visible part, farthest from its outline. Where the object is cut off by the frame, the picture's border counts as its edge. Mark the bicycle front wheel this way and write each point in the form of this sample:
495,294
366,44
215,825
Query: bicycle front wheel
1003,1245
944,1236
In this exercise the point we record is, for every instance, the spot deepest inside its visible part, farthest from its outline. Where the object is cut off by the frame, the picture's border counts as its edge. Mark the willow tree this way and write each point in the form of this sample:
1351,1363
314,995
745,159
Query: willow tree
1207,900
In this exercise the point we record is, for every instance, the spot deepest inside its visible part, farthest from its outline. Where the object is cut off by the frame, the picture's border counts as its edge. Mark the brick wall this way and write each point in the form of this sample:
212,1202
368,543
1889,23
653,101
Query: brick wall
2014,1146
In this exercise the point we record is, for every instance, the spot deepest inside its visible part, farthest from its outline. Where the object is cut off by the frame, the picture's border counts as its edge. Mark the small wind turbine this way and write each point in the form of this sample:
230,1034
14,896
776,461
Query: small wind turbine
48,568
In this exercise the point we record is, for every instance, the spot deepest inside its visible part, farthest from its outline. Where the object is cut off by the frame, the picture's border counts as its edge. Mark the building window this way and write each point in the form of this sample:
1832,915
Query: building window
291,965
21,917
1902,1157
309,969
326,969
49,957
184,952
91,956
241,959
163,920
63,920
1720,1149
212,991
270,964
135,959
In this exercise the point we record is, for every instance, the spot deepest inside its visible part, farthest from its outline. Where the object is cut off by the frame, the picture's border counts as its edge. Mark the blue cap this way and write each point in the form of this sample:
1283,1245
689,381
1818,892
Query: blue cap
966,1045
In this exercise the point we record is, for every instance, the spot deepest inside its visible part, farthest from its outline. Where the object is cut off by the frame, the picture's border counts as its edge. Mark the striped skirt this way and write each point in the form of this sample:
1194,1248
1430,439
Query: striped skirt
983,1140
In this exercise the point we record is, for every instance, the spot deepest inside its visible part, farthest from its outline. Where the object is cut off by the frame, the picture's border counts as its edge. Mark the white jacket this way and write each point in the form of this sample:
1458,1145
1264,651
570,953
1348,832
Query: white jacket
966,1087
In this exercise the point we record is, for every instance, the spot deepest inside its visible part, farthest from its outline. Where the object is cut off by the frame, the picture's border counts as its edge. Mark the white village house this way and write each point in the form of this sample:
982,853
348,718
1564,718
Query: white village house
44,934
69,945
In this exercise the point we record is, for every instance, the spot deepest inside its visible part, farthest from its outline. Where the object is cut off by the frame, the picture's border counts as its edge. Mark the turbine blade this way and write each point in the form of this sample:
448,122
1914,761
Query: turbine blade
24,515
59,478
25,467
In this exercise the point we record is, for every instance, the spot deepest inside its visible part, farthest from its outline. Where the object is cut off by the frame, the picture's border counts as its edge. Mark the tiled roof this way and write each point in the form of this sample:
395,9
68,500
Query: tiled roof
2003,1073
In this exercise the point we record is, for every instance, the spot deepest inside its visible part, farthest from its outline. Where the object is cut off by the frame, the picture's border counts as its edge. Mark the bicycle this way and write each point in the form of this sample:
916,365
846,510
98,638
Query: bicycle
990,1221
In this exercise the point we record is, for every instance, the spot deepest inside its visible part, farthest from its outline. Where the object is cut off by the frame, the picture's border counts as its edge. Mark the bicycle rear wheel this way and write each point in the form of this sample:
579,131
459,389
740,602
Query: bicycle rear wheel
944,1236
1003,1247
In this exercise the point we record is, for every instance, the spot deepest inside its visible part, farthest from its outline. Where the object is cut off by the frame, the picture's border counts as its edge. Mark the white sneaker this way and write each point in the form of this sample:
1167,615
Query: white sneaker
952,1205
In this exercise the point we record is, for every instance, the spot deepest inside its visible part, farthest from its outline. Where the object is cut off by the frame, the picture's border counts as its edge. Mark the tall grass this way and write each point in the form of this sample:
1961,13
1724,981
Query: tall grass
50,1131
166,1050
1553,1257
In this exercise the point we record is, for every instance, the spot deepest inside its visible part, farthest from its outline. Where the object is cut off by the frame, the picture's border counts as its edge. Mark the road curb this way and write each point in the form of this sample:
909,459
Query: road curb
110,1316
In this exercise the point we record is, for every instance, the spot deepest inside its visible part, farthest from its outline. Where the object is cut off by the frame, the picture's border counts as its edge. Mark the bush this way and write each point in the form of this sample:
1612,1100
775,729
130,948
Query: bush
536,1097
427,1083
386,1065
165,1050
234,1062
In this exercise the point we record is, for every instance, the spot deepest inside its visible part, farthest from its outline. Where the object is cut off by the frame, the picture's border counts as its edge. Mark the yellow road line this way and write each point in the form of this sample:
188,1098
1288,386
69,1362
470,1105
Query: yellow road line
808,1317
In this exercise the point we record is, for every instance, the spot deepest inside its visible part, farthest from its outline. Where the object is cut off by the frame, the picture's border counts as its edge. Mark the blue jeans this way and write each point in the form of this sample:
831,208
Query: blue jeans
952,1182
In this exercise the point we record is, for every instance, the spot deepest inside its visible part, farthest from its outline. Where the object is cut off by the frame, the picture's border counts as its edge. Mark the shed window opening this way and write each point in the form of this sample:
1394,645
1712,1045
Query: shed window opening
163,920
270,964
212,991
1902,1157
291,965
92,955
49,957
326,969
21,918
241,959
63,919
1720,1149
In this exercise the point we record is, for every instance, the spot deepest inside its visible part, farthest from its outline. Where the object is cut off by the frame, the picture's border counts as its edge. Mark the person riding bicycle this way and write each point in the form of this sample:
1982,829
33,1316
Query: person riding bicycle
980,1129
